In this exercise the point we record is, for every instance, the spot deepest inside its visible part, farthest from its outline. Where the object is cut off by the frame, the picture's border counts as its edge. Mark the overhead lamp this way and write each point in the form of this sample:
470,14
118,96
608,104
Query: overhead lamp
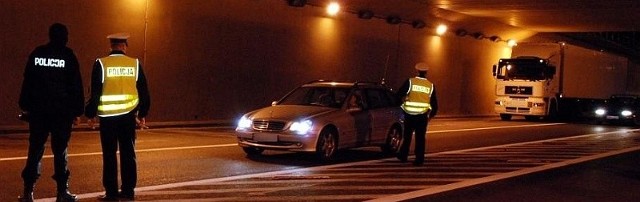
461,32
333,8
365,14
297,3
494,38
394,20
478,35
441,29
418,24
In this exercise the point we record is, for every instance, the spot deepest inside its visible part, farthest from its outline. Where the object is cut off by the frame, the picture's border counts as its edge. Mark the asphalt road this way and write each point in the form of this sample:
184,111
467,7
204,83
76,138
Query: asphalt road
178,155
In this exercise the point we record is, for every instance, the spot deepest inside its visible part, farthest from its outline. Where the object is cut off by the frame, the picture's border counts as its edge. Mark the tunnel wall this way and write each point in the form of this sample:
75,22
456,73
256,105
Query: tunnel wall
209,60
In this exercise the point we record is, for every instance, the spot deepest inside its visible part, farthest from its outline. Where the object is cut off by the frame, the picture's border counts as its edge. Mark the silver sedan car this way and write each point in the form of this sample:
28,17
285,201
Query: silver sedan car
323,117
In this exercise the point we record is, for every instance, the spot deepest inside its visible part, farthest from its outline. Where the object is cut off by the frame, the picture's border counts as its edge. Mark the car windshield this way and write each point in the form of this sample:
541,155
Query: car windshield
623,100
318,96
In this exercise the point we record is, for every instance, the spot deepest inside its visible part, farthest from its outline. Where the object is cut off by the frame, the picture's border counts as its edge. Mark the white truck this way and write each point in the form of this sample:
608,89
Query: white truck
556,80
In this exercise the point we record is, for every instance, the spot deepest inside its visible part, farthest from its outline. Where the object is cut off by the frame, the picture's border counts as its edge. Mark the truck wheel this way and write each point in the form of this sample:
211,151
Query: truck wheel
531,118
505,117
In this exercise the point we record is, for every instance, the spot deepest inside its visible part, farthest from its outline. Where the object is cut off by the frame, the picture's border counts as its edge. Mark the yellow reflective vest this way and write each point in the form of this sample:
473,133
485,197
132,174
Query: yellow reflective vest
119,92
418,99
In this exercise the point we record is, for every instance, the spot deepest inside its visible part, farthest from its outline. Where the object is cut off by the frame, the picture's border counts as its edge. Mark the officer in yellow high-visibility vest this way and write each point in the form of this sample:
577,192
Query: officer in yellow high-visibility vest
419,105
120,97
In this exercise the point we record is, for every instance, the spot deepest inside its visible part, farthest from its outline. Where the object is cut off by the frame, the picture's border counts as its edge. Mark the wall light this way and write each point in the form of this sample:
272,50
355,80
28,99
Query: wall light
394,20
512,43
461,32
365,14
441,29
478,35
297,3
333,8
418,24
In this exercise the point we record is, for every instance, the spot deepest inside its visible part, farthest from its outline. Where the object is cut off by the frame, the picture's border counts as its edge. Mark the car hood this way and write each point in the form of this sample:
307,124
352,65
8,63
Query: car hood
288,112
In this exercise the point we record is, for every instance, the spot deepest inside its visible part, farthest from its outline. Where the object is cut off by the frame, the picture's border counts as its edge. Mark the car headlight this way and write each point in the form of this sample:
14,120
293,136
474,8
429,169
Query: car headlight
301,127
600,112
626,113
244,123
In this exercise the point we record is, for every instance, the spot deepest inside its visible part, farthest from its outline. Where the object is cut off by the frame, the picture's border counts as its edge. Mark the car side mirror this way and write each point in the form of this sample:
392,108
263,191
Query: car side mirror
274,103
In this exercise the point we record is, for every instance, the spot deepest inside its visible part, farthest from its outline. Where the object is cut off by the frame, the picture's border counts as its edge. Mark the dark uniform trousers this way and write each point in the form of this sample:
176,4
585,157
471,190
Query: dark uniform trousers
417,123
118,132
40,125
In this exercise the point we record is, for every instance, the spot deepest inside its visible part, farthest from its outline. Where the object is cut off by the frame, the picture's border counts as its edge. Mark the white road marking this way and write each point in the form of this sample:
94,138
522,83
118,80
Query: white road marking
228,145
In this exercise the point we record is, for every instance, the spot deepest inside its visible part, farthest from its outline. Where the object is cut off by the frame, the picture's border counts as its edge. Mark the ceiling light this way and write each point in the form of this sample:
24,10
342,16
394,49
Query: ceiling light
418,24
394,20
511,43
297,3
478,35
461,32
494,38
333,8
365,14
441,29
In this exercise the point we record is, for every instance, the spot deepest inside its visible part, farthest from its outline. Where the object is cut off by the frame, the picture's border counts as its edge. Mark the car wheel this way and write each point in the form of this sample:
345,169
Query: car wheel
252,151
327,145
505,117
394,139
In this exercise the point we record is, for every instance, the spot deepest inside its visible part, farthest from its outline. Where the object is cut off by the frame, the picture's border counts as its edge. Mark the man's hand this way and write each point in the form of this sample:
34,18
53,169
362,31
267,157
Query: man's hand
142,123
92,122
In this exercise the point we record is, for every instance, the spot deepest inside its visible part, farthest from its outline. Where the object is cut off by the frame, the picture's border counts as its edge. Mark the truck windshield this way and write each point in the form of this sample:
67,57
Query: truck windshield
525,69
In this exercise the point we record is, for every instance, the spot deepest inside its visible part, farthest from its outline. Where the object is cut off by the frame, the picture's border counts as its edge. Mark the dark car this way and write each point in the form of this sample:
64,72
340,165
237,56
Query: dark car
624,109
322,117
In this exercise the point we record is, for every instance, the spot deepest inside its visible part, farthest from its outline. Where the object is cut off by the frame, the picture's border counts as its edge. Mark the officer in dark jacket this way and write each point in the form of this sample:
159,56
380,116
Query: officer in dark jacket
51,96
119,96
420,104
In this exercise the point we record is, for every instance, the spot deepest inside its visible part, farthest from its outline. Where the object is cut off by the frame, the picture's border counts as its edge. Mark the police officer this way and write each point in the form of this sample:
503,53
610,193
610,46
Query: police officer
51,96
420,104
120,97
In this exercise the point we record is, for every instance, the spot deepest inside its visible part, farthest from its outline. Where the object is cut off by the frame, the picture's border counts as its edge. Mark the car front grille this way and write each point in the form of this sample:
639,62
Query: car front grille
268,125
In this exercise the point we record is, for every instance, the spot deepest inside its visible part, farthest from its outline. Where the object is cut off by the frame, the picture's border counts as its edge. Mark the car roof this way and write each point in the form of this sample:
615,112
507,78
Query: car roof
322,83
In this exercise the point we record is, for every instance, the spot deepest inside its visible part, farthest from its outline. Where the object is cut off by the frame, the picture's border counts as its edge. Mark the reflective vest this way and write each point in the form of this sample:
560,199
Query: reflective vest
418,97
119,92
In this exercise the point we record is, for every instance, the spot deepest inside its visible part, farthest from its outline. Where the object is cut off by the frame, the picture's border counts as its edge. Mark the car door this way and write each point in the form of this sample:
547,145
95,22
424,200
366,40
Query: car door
383,113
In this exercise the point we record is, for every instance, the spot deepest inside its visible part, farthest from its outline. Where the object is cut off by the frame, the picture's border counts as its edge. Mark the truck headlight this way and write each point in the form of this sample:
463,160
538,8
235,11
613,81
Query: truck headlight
600,112
244,123
626,113
301,127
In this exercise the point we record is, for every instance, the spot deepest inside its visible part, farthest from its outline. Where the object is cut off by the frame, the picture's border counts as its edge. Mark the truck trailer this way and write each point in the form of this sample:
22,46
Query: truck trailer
556,80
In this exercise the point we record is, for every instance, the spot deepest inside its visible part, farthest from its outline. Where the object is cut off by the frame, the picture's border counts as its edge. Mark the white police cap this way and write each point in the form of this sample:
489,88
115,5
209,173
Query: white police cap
422,67
118,37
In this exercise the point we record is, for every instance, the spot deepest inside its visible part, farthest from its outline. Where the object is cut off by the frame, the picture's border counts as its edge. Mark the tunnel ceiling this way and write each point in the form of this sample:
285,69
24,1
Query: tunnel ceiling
606,24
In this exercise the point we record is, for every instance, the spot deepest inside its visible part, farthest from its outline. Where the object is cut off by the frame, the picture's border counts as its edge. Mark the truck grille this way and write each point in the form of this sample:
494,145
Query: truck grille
518,90
268,125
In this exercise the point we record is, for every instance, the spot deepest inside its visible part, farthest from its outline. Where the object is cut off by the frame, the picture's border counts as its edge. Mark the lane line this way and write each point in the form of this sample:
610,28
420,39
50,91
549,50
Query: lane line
226,145
137,151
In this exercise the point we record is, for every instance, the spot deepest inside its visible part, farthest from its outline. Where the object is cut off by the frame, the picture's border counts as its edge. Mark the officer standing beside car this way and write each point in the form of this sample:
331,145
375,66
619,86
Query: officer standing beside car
420,104
51,96
120,97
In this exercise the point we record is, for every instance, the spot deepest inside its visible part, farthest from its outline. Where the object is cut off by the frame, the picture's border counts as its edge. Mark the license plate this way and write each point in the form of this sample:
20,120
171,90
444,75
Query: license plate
265,137
613,117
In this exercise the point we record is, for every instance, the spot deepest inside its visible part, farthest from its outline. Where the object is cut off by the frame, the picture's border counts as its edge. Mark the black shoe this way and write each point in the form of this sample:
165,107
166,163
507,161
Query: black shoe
108,198
402,158
26,197
126,196
66,196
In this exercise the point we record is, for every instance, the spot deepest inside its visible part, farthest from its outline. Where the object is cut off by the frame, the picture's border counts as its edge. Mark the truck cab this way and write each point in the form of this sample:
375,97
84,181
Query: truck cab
524,86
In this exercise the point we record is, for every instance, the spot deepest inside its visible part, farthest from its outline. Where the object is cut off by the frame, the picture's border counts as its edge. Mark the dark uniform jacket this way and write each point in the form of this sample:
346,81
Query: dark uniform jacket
52,83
